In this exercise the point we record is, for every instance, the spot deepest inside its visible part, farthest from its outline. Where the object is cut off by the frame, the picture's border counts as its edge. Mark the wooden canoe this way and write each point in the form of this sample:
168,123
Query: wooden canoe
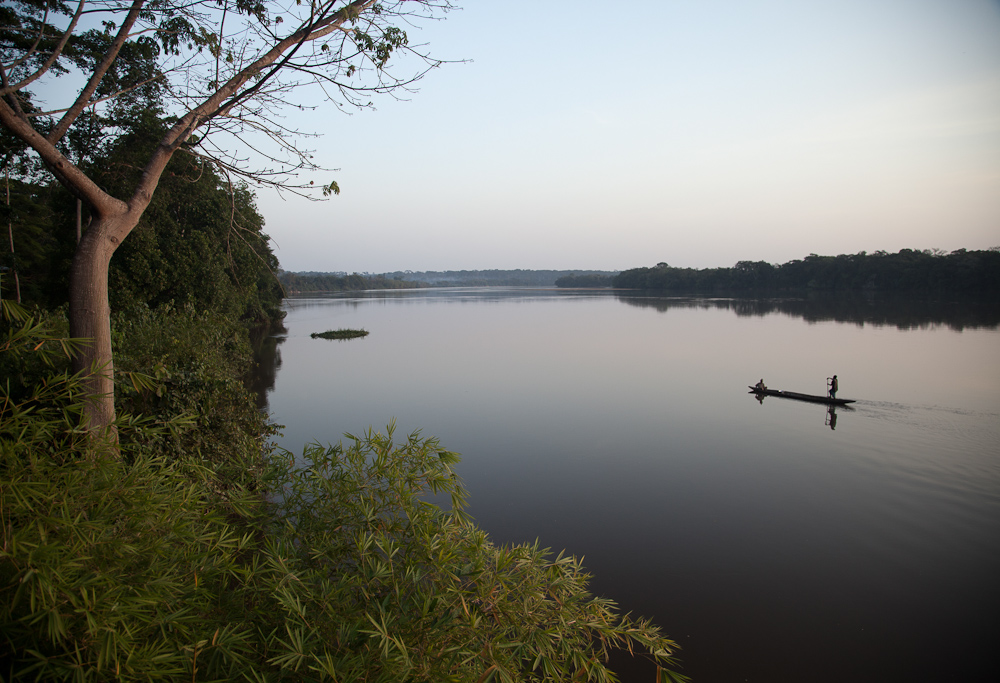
802,397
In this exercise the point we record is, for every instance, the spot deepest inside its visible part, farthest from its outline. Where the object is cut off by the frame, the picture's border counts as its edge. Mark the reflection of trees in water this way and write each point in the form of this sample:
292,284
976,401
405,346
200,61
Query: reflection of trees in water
267,360
872,309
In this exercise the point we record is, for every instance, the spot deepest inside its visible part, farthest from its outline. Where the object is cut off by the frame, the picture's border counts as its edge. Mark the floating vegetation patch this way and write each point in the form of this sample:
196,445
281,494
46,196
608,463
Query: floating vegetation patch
339,334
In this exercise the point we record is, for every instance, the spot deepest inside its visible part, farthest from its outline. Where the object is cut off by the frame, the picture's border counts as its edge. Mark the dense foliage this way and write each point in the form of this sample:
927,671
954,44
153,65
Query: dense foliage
200,241
108,569
906,271
35,271
179,364
157,566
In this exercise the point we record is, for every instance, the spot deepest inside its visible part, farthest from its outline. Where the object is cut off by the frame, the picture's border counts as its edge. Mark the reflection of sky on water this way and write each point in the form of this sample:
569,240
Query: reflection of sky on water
625,434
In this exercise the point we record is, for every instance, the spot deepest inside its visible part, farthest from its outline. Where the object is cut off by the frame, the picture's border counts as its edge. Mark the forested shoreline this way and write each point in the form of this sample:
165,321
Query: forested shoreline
909,271
491,278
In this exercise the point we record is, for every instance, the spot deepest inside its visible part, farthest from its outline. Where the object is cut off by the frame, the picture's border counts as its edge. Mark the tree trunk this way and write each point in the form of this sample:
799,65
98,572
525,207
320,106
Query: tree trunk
113,219
90,314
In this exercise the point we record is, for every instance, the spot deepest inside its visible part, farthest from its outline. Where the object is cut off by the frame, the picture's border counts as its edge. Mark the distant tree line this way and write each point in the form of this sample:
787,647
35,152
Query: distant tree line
301,283
312,281
593,280
906,271
494,278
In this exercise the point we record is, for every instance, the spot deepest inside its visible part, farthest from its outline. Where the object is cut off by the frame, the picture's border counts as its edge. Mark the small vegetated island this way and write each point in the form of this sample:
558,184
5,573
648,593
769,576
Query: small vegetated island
341,334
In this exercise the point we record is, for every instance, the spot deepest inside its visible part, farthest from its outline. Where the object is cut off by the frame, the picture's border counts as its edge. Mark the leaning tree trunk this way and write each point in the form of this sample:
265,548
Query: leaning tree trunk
113,219
90,314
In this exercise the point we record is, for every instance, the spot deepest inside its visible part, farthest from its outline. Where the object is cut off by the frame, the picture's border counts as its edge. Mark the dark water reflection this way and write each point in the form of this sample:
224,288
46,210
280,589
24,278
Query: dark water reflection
267,360
775,541
902,312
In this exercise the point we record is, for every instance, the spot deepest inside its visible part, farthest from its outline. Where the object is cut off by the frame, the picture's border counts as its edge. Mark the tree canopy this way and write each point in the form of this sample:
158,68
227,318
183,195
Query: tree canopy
219,71
200,242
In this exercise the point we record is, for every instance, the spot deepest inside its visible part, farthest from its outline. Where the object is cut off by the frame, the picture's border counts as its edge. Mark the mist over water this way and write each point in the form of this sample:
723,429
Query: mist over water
774,541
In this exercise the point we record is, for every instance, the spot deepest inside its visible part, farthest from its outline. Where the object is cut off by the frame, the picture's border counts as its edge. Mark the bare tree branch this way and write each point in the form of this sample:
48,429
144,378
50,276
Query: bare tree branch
56,52
65,171
83,100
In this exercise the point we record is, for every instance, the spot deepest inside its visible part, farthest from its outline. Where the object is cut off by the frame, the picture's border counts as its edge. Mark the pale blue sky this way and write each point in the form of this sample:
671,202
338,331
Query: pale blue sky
693,132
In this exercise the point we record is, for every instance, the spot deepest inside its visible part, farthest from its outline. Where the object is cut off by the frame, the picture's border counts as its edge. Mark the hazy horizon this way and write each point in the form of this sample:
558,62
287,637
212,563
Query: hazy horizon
580,270
699,134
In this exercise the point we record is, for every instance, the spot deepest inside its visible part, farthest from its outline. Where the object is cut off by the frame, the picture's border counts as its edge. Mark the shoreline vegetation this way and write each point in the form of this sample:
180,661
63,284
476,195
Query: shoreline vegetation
312,282
907,271
341,334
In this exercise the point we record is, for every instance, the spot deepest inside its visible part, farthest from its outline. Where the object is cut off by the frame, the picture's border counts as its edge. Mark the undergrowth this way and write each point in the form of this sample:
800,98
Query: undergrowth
137,560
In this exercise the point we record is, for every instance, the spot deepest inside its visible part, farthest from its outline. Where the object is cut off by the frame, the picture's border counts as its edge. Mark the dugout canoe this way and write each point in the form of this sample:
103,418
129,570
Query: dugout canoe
812,398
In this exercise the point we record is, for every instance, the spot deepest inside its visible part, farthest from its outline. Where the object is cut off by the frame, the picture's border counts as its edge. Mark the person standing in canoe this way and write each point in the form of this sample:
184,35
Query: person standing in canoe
834,385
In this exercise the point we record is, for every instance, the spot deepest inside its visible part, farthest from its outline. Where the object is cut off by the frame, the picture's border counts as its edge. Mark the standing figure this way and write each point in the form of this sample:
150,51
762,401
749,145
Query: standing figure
834,385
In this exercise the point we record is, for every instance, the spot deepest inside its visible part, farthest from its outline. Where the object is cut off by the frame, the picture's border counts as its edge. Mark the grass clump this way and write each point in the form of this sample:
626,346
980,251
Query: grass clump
340,334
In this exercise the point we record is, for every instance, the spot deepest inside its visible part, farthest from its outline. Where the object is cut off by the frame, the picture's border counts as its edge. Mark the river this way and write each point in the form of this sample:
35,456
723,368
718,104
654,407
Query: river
774,541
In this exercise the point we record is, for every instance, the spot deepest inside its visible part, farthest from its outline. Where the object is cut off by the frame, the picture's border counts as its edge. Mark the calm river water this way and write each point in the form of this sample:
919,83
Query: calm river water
773,541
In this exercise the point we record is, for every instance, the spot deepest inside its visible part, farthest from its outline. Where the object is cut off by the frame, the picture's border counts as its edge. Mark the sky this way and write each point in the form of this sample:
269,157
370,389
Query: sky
597,135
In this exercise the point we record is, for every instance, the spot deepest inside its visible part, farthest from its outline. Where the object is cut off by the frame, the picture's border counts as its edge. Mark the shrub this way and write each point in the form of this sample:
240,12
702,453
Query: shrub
110,567
176,363
376,583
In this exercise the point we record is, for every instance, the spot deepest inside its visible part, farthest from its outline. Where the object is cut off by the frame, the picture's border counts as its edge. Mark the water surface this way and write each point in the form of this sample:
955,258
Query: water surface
774,541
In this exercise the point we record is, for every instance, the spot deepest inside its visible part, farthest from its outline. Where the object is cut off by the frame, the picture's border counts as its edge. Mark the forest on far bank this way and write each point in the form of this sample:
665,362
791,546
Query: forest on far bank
312,281
909,270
